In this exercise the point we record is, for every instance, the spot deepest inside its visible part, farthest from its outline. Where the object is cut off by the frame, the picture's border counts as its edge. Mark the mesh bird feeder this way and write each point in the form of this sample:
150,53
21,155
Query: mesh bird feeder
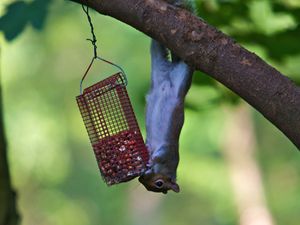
113,129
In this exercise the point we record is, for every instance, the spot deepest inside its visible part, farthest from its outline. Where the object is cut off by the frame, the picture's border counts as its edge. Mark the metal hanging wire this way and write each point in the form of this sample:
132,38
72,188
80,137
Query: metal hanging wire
94,41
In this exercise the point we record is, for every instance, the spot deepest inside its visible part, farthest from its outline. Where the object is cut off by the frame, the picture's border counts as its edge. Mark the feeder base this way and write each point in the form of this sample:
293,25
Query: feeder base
120,158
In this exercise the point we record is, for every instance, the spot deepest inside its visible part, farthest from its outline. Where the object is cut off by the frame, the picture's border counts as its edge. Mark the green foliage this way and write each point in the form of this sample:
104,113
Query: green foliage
20,13
268,28
268,22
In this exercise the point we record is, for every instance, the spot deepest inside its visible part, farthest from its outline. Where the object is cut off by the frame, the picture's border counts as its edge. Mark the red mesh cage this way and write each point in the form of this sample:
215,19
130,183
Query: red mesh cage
113,130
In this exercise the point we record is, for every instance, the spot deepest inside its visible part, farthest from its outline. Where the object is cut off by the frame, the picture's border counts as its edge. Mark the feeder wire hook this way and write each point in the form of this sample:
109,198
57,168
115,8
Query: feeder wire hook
94,41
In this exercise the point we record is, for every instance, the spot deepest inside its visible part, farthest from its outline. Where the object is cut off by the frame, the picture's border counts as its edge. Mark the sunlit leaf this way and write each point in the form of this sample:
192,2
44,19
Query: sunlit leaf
267,21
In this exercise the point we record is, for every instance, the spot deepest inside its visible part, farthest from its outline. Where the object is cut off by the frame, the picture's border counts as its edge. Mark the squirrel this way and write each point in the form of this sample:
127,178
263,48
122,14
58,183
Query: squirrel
170,82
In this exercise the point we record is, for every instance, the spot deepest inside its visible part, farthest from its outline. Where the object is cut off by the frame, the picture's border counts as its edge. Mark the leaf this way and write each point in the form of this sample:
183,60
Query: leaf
13,22
20,13
267,21
39,11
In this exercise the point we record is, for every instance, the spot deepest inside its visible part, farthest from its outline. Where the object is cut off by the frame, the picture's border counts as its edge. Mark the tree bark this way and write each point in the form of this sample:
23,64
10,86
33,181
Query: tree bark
8,211
216,54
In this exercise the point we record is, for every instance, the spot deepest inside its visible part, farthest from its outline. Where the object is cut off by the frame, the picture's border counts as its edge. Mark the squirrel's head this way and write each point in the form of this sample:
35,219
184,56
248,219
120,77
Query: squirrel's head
157,182
161,173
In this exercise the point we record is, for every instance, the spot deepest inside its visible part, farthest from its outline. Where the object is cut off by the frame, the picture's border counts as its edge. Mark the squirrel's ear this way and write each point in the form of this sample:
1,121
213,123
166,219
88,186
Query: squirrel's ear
174,187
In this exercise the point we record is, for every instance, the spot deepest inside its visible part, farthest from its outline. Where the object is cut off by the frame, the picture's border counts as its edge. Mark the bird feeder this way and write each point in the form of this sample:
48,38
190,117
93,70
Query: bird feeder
113,130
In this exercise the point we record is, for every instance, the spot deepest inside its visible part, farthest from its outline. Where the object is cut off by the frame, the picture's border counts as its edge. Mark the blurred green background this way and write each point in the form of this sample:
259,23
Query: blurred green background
52,164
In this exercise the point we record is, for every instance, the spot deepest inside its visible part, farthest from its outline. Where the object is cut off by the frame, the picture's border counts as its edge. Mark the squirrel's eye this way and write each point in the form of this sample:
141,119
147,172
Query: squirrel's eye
159,183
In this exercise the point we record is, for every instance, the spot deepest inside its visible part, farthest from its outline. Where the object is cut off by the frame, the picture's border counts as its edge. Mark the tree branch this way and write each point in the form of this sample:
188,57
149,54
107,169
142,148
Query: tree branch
214,53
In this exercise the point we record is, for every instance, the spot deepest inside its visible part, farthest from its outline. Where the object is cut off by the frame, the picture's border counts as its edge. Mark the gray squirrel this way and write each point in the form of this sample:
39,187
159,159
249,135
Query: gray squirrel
170,82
